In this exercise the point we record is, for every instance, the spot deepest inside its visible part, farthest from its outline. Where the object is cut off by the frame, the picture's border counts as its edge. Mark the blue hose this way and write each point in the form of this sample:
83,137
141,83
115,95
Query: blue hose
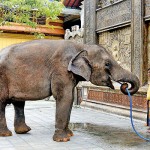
131,117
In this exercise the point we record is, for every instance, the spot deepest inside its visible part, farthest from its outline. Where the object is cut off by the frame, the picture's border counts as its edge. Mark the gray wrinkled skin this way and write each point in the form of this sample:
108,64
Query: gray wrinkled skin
38,69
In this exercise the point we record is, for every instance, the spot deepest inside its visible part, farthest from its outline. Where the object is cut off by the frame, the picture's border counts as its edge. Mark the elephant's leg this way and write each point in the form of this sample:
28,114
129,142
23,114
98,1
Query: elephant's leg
4,131
68,131
19,120
63,93
62,132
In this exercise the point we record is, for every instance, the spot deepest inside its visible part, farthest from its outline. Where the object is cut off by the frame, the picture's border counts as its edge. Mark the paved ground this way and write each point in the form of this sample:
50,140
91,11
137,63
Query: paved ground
93,130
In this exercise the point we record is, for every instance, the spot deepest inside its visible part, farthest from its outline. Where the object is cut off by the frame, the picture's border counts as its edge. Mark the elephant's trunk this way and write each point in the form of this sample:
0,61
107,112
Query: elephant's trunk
134,86
128,77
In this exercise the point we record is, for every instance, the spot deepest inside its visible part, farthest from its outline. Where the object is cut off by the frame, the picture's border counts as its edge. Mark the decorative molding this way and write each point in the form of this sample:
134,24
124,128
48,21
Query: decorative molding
147,8
118,14
123,24
16,27
147,18
75,31
106,3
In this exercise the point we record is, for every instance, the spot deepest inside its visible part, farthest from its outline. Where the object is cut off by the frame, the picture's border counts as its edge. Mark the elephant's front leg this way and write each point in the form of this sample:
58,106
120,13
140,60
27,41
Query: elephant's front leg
64,100
19,120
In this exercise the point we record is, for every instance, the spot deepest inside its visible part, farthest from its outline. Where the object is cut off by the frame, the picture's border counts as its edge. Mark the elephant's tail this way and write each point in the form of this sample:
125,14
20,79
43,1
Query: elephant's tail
4,92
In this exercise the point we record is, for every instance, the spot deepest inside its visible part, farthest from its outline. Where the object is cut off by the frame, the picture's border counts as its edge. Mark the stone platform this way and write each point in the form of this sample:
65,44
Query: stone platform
113,101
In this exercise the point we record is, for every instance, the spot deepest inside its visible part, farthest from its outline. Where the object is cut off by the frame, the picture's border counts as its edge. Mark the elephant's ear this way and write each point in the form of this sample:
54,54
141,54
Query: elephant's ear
80,65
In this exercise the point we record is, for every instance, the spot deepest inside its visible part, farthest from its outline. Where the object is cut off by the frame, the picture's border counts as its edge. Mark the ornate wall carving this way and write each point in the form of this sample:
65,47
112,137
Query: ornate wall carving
75,34
76,39
118,42
114,15
147,7
106,3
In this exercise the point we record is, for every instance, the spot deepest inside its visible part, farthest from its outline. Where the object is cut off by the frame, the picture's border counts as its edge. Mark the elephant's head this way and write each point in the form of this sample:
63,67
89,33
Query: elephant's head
95,64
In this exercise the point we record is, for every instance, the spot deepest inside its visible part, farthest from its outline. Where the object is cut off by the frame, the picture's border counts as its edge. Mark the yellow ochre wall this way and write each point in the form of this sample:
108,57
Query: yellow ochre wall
7,39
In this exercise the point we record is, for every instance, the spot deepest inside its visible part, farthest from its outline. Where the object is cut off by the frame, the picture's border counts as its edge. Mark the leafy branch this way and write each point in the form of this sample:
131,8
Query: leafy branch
28,11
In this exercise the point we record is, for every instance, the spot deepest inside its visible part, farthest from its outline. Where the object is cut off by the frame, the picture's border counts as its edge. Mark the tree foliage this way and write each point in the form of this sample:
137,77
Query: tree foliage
27,11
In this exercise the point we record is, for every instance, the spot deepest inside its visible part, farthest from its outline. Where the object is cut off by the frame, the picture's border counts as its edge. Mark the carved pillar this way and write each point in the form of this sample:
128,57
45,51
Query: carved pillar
137,40
90,22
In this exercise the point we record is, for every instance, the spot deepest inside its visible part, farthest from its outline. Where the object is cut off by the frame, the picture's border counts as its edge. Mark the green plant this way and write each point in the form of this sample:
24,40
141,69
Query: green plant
27,11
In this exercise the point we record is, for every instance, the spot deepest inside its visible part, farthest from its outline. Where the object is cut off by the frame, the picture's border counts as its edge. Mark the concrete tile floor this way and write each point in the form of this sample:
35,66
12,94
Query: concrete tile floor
93,130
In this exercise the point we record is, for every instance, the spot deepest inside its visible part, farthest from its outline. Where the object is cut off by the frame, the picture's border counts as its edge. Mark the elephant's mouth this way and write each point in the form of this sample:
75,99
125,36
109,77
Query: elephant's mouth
110,84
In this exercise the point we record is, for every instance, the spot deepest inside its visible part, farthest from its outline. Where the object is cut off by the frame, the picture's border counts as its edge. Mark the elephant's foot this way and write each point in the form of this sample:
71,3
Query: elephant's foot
5,132
60,136
21,129
69,132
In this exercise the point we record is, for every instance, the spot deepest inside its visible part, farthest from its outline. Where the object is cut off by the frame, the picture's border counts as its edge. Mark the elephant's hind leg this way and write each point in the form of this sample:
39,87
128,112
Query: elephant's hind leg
4,131
19,121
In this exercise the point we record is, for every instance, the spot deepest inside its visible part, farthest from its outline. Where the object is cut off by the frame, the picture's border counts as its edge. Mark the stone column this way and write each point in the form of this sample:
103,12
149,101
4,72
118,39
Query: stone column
90,36
137,39
82,15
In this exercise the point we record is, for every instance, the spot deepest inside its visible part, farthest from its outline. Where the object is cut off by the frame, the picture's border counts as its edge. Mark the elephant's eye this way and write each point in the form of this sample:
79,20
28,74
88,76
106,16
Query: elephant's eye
107,65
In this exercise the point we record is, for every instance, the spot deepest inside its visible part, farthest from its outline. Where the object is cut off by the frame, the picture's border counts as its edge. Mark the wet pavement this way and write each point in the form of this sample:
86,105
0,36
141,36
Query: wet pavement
93,130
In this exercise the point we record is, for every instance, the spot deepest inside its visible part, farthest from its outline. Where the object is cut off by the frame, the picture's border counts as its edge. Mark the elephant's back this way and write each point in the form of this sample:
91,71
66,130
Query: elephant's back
37,46
38,52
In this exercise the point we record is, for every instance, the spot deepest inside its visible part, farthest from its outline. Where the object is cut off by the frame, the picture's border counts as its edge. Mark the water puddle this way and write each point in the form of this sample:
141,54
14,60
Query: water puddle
112,135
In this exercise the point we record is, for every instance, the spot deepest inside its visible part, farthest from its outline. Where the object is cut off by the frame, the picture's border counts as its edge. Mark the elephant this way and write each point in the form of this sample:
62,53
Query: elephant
37,69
